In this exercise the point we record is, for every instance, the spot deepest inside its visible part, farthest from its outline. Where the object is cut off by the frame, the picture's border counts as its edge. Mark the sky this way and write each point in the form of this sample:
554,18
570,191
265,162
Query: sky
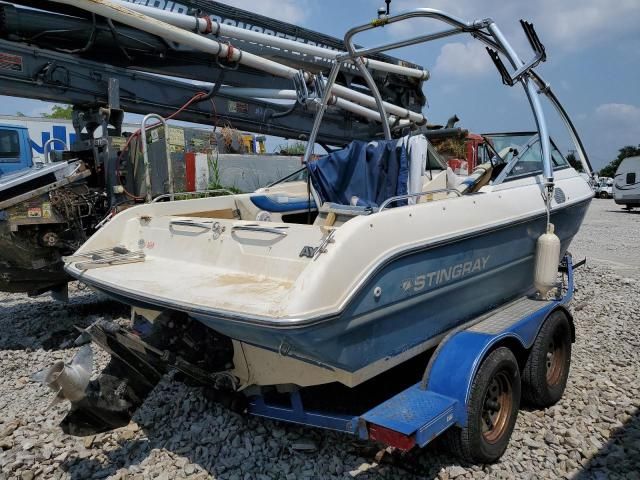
593,64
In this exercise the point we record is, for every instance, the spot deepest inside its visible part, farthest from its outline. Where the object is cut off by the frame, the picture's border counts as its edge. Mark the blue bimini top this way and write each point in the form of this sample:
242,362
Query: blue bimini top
370,171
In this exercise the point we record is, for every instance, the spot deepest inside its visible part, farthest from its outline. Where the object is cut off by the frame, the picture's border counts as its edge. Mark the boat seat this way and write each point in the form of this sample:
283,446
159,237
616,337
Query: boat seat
439,181
281,203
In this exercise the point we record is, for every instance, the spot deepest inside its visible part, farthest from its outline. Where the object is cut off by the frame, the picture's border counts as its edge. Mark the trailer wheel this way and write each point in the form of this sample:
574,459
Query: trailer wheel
491,411
604,195
545,374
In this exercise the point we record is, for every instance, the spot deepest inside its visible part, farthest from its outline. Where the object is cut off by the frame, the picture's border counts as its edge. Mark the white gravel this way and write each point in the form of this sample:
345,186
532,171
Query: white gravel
594,432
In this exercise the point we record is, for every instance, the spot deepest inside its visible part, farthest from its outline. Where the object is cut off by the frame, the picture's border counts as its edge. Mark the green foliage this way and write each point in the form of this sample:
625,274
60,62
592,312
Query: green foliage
295,148
624,152
217,186
214,169
575,163
215,183
20,114
60,111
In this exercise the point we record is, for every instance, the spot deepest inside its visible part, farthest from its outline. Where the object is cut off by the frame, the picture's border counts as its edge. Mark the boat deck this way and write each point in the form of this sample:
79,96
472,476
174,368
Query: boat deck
198,286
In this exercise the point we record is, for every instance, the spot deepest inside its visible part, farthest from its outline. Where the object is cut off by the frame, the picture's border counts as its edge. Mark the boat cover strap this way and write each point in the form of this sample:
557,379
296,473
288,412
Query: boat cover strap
362,174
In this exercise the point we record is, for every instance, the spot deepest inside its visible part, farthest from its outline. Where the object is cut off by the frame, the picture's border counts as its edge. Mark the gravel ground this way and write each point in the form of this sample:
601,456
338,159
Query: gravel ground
594,432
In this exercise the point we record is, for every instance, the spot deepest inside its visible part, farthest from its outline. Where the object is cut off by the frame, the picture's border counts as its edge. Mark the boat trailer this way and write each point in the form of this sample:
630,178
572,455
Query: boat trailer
407,406
440,400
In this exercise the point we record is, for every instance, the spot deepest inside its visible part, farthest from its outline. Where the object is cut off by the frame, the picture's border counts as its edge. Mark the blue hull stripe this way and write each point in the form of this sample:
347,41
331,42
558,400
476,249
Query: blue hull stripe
371,329
368,330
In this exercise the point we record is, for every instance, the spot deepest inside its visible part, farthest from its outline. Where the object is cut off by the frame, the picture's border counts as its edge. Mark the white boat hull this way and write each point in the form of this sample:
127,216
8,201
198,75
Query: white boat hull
389,283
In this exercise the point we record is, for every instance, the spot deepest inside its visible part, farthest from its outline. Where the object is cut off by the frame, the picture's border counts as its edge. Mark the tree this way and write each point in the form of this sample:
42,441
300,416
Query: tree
60,111
574,162
624,152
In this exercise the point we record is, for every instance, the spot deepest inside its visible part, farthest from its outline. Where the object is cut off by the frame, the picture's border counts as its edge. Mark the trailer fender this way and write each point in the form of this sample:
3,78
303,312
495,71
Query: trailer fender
455,363
455,366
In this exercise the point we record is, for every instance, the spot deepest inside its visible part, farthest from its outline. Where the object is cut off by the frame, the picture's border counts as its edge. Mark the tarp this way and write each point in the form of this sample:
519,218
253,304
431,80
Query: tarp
363,174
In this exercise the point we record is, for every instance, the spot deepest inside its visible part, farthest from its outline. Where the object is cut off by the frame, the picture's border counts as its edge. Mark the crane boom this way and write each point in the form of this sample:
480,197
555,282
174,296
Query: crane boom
54,51
70,31
56,77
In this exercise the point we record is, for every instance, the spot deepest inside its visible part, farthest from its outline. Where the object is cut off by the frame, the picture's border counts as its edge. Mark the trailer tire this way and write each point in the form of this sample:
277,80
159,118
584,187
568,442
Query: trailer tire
545,373
604,195
496,384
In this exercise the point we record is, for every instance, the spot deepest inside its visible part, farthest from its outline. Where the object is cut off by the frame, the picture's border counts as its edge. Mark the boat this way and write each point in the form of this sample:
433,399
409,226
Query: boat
366,258
345,298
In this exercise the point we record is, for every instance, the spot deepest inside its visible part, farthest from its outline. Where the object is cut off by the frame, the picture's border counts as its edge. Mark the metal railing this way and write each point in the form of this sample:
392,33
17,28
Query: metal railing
47,152
486,31
258,228
191,223
388,201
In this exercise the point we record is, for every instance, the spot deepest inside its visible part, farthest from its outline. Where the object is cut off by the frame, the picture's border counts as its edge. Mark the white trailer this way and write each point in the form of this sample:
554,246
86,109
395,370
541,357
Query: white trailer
626,187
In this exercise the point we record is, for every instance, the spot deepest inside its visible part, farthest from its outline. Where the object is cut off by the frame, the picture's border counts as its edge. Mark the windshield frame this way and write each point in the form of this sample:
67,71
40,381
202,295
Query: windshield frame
505,176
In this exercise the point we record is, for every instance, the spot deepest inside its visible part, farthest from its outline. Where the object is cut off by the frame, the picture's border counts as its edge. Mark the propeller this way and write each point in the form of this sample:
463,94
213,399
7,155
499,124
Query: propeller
68,380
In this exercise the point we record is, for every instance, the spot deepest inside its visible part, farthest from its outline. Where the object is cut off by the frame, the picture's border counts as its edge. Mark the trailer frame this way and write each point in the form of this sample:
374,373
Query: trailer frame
417,415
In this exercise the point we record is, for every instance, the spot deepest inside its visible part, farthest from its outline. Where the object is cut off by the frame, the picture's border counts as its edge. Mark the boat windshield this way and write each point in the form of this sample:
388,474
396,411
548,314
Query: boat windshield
506,146
518,154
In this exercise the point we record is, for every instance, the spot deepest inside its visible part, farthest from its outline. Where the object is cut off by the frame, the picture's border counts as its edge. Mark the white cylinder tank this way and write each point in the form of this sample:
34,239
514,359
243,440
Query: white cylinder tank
547,260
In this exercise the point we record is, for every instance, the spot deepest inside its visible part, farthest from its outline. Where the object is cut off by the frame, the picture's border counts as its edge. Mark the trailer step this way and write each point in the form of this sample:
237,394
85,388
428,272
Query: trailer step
504,318
412,417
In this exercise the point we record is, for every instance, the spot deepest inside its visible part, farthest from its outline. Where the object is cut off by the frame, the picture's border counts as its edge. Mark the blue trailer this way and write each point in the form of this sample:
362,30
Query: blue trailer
471,386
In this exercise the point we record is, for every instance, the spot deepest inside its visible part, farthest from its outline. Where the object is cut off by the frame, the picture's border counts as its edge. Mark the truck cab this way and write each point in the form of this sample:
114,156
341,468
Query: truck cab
604,187
15,149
